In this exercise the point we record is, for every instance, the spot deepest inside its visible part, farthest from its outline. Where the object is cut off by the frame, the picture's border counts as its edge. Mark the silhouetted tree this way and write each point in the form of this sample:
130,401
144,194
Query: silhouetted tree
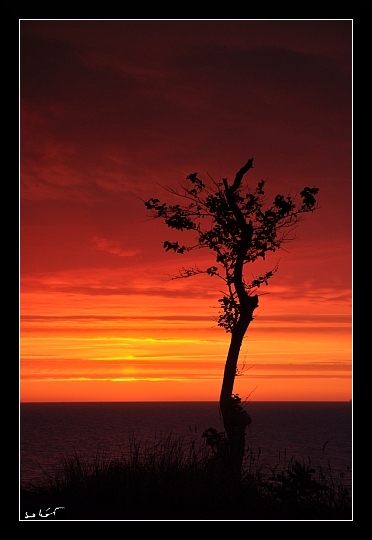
235,223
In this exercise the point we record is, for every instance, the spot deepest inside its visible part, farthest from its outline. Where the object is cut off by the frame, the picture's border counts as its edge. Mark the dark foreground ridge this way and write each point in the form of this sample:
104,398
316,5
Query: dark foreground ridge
167,482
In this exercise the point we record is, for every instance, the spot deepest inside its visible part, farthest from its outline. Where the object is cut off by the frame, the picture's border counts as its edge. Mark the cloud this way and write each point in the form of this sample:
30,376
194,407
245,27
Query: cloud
120,108
111,246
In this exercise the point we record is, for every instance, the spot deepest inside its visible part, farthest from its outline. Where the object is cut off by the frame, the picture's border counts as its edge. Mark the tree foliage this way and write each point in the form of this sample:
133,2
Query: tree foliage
236,224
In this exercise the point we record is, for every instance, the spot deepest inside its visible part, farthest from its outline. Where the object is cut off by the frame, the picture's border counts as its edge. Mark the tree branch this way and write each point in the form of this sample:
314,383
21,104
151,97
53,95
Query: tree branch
239,175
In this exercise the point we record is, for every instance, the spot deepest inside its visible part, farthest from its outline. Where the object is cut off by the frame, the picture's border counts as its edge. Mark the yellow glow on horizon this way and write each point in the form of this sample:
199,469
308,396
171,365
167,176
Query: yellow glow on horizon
173,345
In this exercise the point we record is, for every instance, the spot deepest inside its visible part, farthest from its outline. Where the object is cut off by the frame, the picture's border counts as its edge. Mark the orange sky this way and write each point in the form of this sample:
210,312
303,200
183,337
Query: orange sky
111,111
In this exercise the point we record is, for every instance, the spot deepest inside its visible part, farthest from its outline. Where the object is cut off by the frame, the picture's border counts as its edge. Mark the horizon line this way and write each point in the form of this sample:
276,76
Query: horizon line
203,401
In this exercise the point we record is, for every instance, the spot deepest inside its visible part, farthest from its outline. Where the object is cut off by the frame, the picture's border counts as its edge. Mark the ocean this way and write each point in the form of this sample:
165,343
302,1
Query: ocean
311,432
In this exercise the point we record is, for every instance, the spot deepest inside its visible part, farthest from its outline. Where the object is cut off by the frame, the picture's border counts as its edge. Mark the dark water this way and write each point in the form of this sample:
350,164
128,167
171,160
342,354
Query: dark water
319,431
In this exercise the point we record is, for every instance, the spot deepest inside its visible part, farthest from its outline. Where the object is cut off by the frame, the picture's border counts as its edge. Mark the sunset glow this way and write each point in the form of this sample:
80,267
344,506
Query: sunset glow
113,111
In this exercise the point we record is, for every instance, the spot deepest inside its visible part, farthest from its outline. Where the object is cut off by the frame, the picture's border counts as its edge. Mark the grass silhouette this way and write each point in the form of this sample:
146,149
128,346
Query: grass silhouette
171,480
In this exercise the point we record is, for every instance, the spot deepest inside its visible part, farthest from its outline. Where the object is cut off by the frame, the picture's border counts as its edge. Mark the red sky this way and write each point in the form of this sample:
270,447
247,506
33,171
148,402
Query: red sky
111,111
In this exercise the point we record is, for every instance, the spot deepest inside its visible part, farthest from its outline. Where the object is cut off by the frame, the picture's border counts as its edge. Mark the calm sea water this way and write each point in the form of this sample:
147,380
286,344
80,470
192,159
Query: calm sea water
319,431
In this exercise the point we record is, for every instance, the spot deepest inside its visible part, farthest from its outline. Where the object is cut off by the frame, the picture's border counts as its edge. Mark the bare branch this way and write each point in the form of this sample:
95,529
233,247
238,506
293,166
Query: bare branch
240,174
184,273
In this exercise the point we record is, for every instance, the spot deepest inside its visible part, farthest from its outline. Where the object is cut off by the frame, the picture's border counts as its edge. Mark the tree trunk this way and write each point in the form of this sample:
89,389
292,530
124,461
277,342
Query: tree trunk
235,418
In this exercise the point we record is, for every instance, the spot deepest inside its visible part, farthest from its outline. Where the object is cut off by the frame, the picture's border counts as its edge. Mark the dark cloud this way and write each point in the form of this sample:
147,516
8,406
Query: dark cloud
117,89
